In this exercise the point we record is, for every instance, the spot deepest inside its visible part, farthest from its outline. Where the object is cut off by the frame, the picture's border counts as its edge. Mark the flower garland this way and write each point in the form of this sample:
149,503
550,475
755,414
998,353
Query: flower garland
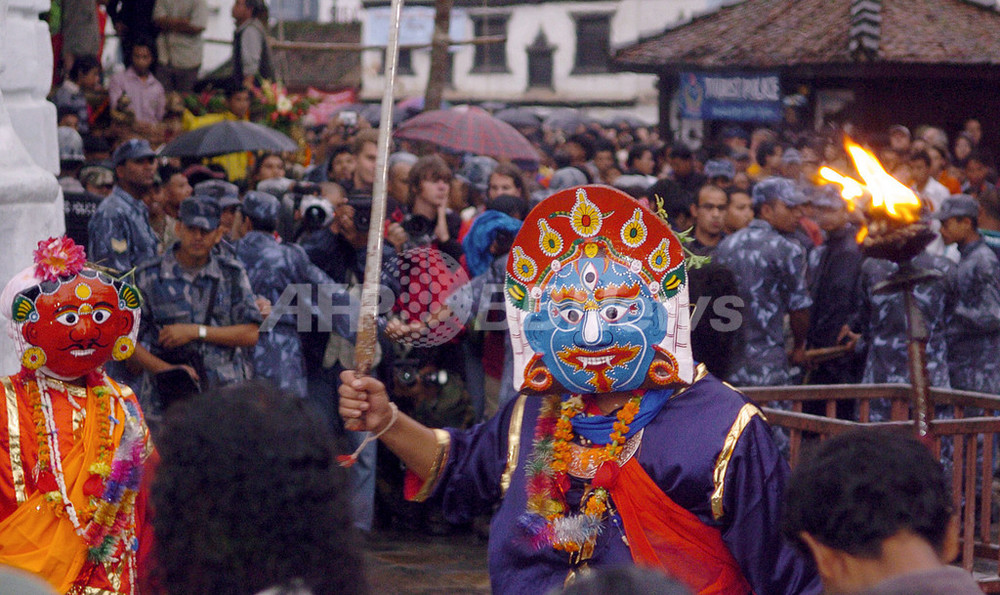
546,521
116,480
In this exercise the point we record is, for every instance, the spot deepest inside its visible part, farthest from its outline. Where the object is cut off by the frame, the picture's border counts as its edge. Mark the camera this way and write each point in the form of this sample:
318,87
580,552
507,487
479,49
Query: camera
407,373
317,213
349,119
362,213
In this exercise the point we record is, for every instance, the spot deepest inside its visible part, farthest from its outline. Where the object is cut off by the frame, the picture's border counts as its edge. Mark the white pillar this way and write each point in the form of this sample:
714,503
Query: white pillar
31,206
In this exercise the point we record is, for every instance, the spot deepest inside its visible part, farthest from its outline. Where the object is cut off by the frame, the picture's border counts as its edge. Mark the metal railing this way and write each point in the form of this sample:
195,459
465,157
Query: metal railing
964,432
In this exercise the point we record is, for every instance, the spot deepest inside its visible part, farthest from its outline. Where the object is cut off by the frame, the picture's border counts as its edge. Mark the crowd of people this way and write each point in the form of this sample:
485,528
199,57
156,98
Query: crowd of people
249,266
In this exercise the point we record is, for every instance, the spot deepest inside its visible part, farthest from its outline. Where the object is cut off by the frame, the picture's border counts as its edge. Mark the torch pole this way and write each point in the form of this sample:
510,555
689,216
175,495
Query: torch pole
917,335
367,335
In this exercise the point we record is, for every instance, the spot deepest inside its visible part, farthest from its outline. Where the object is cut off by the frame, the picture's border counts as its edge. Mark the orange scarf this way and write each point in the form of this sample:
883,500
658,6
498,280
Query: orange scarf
664,535
33,538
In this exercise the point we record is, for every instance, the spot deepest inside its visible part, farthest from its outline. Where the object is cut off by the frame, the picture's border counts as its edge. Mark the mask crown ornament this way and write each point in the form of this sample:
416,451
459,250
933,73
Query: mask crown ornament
596,296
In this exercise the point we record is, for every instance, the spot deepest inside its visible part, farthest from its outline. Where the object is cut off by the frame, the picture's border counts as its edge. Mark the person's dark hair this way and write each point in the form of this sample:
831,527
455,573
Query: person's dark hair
714,347
337,150
257,8
603,144
513,172
626,580
259,163
676,202
82,65
231,88
989,202
855,490
921,156
428,167
168,171
65,110
697,195
146,41
242,507
764,150
586,142
635,153
261,225
978,156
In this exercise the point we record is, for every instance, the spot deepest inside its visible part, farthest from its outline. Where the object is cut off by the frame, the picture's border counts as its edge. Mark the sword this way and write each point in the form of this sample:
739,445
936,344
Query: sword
367,335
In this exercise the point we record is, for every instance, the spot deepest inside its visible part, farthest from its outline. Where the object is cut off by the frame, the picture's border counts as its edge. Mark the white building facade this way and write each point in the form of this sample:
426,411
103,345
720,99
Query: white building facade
556,53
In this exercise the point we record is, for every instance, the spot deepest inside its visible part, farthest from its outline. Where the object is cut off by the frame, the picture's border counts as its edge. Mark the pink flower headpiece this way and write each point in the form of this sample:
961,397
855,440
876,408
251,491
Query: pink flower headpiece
58,257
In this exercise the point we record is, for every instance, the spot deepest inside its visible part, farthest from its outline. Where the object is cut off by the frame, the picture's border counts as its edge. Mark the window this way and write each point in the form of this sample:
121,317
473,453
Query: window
404,65
490,57
294,10
540,62
593,43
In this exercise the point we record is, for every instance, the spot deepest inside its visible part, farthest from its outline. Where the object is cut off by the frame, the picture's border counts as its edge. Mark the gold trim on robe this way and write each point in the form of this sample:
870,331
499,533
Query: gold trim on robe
14,434
513,443
444,446
747,413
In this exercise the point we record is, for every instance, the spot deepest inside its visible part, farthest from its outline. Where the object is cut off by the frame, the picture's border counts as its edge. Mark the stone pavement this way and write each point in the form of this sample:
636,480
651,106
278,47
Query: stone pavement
416,564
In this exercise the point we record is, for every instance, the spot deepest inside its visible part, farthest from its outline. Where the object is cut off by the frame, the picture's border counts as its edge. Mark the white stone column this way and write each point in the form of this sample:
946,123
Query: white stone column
31,206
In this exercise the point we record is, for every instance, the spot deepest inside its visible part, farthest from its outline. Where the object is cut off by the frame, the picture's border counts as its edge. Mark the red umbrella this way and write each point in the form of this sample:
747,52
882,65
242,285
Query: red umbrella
469,130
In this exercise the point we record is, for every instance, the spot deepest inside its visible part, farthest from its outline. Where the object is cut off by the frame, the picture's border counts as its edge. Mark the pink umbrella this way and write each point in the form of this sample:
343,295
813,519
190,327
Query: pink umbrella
469,130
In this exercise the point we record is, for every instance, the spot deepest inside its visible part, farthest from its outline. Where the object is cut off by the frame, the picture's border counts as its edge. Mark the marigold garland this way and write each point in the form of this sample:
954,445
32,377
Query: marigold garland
546,521
106,520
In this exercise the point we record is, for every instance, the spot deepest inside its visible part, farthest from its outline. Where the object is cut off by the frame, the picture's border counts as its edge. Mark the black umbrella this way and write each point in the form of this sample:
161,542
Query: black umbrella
568,120
519,117
230,136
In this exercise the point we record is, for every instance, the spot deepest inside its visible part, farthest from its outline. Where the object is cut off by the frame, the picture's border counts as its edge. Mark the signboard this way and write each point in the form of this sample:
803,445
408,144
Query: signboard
741,97
416,25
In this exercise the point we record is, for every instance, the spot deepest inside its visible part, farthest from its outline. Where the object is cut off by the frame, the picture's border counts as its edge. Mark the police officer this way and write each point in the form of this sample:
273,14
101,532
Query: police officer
973,307
120,235
198,307
273,268
227,195
771,272
880,320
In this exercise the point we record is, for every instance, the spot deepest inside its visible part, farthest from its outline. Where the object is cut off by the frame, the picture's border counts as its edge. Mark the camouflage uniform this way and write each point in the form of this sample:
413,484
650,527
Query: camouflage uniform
171,296
973,320
272,267
881,321
771,272
120,235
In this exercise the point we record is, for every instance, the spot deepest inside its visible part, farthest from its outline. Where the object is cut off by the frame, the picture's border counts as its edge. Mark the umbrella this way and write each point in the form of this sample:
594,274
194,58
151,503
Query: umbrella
519,116
567,120
469,130
630,120
230,136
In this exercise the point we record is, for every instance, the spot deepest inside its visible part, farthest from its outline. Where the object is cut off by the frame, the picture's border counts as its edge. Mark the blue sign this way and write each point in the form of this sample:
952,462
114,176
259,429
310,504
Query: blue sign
742,97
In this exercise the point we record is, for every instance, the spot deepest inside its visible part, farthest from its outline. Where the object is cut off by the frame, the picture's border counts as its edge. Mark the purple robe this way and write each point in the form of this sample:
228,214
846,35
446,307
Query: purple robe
679,451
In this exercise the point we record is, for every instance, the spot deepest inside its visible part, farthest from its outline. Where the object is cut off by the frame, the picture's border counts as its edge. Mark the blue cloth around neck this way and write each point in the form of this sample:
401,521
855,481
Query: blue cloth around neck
598,428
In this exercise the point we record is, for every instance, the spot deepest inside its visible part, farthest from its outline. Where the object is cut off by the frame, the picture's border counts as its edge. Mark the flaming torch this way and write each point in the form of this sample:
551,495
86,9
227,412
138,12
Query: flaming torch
893,230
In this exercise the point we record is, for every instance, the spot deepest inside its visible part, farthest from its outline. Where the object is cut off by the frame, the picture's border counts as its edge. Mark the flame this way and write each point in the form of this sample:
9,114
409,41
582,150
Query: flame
851,189
889,195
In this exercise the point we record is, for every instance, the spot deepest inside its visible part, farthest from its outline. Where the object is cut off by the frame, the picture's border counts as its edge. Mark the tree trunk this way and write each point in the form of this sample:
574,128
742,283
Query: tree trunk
438,76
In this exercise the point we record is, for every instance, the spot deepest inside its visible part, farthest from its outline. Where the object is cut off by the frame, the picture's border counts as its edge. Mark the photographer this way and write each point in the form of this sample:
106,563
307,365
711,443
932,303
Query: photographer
338,249
272,267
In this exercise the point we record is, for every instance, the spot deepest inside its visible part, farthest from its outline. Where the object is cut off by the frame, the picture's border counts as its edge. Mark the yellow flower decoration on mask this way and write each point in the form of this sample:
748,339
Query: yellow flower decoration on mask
585,216
659,260
634,232
524,266
550,241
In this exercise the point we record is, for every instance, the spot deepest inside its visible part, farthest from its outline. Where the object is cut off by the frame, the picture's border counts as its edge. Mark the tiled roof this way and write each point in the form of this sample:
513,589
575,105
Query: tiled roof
781,33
